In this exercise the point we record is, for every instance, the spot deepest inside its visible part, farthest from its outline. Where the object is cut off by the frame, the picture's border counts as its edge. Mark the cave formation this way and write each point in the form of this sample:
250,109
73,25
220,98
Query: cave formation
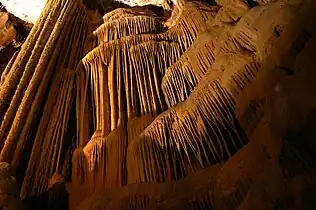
175,105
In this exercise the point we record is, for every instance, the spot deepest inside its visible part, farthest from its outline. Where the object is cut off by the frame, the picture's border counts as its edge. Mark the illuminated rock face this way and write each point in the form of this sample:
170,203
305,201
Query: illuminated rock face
206,109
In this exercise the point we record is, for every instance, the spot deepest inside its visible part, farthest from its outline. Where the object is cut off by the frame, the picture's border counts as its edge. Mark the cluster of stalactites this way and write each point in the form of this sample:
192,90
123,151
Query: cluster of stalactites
122,78
127,26
202,89
125,13
117,55
216,75
201,127
37,93
182,77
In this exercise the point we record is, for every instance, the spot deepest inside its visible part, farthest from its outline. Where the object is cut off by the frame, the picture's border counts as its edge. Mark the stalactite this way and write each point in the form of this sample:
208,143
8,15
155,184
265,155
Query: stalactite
14,117
45,76
135,127
115,166
236,84
226,88
48,143
125,76
43,70
102,111
83,115
105,157
194,129
127,12
159,56
120,92
202,128
182,77
191,22
106,50
10,84
93,151
179,82
126,26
